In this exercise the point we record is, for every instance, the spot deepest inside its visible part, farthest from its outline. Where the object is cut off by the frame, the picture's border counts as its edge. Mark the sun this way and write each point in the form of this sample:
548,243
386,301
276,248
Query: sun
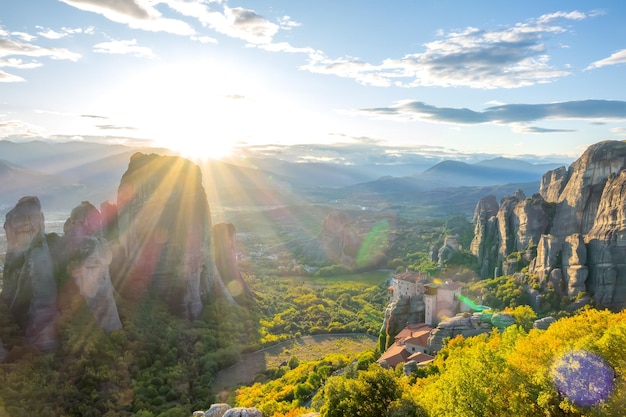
197,108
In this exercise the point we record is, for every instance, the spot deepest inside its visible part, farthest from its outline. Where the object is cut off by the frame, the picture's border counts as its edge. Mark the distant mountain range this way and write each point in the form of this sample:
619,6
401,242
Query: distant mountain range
487,172
64,174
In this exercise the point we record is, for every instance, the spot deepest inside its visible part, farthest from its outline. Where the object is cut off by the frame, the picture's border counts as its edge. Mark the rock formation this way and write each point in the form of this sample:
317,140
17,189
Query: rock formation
402,311
227,269
164,228
486,237
339,239
224,410
29,286
87,256
576,224
467,325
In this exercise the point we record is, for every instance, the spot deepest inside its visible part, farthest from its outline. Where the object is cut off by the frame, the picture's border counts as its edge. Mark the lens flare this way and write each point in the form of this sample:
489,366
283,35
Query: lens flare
234,288
583,377
374,245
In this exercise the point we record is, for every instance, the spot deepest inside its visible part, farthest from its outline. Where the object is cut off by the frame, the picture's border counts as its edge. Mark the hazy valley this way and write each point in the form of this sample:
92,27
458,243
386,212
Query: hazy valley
137,306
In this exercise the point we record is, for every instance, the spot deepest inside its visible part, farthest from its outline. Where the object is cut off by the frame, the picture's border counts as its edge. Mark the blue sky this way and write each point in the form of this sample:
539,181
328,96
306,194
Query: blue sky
536,80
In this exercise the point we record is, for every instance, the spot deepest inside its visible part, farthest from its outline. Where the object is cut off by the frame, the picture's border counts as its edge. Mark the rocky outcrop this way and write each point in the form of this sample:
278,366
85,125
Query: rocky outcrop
577,204
606,243
29,286
467,325
577,222
402,311
164,228
224,410
87,256
544,323
225,255
506,223
486,238
530,221
339,239
552,184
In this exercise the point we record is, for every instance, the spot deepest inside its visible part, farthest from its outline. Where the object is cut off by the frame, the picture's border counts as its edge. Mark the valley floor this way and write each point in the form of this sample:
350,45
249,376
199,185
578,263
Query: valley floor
305,348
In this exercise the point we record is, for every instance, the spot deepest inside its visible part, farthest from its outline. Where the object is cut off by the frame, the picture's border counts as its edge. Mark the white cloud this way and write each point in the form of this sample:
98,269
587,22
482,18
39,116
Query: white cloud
618,57
63,33
234,22
247,25
127,47
204,39
9,47
18,63
286,23
509,57
286,47
51,34
10,128
23,36
5,77
137,14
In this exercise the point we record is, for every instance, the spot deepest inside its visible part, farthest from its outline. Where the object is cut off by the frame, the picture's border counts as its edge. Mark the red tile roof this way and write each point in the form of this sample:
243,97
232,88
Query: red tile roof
412,330
420,357
394,355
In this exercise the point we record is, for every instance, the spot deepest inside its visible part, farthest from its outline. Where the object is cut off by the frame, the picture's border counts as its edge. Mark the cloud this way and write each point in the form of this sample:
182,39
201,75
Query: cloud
127,47
504,114
286,23
23,36
204,39
115,127
18,63
509,57
618,57
535,129
25,130
65,32
363,151
137,14
5,77
236,22
9,47
93,116
248,25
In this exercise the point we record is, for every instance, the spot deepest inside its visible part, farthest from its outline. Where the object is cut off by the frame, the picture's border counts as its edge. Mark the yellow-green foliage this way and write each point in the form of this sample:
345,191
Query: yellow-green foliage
294,306
512,373
292,387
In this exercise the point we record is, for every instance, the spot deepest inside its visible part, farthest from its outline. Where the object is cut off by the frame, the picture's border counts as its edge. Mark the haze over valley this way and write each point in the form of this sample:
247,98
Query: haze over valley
299,209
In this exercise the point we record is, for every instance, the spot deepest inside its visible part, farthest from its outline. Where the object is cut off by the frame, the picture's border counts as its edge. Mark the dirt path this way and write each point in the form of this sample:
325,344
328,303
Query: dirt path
304,348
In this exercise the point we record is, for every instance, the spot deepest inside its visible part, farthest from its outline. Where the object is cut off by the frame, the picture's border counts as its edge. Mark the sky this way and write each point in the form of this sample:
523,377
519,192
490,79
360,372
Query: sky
340,81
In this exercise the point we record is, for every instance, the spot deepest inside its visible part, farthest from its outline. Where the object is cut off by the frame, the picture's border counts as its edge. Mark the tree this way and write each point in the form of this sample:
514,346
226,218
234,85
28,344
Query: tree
369,395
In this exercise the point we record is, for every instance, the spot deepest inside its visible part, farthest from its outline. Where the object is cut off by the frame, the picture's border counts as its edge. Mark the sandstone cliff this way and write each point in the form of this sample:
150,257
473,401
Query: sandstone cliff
86,257
227,268
164,229
571,234
29,285
339,239
156,240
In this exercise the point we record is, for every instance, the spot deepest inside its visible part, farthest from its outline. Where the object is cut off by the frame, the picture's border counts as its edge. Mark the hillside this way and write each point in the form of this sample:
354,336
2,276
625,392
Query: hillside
17,181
